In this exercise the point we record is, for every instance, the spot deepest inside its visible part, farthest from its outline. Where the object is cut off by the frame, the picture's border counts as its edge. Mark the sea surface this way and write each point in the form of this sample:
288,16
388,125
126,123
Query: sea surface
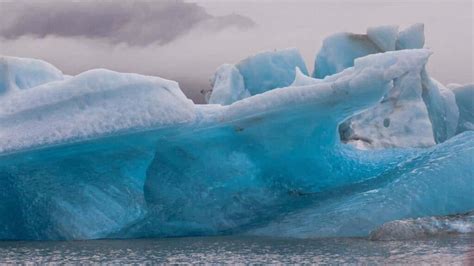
448,249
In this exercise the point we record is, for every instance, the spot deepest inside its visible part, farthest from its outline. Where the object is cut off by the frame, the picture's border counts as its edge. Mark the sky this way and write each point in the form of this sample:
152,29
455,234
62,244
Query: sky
187,40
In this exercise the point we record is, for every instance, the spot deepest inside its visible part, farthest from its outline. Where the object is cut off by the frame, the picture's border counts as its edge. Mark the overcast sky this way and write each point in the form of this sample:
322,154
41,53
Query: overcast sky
186,41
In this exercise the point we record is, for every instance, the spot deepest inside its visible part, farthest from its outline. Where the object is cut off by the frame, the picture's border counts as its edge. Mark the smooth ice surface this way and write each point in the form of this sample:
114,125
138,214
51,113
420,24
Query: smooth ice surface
227,86
464,95
385,37
330,60
412,37
269,70
24,73
442,108
302,79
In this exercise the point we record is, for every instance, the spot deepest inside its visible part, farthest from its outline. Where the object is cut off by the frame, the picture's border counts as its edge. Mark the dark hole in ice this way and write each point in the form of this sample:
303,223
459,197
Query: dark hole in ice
386,122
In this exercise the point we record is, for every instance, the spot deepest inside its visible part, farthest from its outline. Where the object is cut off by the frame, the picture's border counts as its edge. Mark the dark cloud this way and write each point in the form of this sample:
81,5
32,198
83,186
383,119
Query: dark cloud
134,23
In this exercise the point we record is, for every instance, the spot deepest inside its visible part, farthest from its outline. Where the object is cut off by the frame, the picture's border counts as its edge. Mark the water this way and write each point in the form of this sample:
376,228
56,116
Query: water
449,249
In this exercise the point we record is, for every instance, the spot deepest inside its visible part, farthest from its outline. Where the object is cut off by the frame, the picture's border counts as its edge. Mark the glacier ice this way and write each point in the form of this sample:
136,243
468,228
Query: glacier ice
417,112
464,95
330,60
88,106
116,155
302,79
437,181
412,37
269,70
227,86
261,72
21,73
442,108
385,37
424,227
400,120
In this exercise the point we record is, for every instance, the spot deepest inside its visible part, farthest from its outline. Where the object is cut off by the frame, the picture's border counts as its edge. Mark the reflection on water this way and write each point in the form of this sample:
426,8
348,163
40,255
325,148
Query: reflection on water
458,249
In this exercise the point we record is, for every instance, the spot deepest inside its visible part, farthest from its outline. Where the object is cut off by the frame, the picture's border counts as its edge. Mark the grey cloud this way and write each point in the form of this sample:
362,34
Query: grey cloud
134,23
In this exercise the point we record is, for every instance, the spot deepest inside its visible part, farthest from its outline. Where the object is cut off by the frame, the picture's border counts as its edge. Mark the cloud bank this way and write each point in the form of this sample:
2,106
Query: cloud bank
133,23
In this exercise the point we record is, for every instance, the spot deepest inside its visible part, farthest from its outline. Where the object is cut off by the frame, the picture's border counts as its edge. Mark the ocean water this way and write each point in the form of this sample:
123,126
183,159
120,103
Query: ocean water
443,250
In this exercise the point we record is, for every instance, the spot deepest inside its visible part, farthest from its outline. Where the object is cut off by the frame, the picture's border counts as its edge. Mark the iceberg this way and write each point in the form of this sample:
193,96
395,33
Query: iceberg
256,74
425,227
269,70
227,86
418,112
384,37
118,155
412,37
442,108
330,60
22,73
464,96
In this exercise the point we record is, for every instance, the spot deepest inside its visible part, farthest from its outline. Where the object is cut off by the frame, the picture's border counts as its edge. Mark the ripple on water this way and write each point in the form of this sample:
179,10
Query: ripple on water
440,250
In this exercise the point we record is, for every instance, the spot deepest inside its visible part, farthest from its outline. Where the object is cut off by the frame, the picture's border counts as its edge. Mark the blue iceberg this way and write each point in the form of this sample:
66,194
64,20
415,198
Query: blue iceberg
118,155
227,86
256,74
464,95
